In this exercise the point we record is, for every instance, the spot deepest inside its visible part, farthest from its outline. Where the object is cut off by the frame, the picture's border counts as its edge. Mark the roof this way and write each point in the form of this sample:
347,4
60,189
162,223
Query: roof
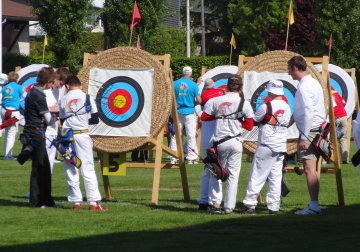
17,10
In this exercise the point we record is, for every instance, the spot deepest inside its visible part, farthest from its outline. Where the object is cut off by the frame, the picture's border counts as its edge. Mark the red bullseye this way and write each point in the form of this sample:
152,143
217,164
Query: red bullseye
119,101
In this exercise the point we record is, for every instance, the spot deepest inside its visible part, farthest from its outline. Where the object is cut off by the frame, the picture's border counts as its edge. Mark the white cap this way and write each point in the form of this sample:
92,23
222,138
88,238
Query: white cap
275,87
3,79
187,70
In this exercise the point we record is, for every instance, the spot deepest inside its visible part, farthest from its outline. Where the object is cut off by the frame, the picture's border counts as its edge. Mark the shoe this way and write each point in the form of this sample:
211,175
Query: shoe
214,210
229,211
203,207
345,162
192,162
10,158
28,195
307,211
176,161
246,210
77,207
271,212
57,161
54,206
98,207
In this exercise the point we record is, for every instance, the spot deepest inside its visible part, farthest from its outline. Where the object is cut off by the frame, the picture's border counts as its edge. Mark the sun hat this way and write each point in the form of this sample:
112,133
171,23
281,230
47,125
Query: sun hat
187,70
275,87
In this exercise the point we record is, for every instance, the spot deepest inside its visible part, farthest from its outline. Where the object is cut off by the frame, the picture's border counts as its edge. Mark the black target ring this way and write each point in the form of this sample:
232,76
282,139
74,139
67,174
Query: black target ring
116,112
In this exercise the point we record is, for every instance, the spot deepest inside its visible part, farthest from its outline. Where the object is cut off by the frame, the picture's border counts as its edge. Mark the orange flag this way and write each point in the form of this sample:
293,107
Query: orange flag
136,16
290,14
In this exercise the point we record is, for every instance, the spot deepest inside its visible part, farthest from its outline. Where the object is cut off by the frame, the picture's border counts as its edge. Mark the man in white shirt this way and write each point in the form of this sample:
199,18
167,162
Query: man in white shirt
267,164
309,114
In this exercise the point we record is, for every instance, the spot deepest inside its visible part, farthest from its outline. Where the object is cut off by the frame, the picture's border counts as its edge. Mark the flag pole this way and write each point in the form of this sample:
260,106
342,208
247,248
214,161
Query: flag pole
43,56
230,53
132,22
287,33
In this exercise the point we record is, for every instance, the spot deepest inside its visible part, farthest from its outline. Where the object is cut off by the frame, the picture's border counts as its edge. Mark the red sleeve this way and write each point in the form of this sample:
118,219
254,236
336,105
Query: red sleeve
207,117
247,124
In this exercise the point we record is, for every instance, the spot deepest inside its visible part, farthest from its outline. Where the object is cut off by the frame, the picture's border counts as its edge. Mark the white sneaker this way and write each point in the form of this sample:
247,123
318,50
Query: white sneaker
174,161
57,161
307,211
192,162
54,206
10,158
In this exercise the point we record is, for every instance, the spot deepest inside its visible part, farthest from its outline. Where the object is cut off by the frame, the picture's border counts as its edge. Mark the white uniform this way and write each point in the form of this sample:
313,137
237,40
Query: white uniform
210,188
52,129
268,159
229,151
73,102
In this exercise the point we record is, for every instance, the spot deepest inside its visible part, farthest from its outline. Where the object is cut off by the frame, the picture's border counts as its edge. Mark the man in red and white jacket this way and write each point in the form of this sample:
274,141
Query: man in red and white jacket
227,137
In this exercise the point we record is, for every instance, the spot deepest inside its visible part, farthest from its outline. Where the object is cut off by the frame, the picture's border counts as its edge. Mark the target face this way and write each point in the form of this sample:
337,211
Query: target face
120,101
254,91
124,101
28,75
343,84
260,97
219,75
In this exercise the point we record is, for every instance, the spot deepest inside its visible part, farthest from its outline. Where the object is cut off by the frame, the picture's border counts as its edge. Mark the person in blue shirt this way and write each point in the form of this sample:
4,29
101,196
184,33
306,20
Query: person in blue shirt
187,94
12,93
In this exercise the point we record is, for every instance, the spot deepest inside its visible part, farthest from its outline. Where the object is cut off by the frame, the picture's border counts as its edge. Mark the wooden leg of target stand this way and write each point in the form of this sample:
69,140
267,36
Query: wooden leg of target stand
259,199
106,181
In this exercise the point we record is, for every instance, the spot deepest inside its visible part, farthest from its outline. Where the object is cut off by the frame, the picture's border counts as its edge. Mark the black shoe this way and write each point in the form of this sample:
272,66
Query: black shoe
345,162
271,212
246,210
213,210
203,207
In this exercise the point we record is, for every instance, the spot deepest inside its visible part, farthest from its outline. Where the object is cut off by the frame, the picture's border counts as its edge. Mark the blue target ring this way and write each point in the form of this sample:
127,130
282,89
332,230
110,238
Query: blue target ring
260,95
220,80
339,85
120,101
28,79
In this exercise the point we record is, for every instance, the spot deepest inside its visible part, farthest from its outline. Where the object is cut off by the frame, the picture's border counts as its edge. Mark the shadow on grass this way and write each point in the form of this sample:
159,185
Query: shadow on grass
335,230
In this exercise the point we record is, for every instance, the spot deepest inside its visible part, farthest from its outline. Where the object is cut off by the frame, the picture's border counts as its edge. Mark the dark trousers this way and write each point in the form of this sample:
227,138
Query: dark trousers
135,155
40,178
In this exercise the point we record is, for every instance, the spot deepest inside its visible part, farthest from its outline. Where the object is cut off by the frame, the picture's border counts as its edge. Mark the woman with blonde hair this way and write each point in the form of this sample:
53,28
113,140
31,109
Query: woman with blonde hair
12,93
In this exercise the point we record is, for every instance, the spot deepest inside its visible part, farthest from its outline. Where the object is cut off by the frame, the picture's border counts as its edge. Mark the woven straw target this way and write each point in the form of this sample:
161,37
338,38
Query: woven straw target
131,57
276,61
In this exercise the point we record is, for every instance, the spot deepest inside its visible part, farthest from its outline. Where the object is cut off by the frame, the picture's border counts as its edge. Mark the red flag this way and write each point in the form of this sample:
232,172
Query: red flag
138,43
136,16
329,43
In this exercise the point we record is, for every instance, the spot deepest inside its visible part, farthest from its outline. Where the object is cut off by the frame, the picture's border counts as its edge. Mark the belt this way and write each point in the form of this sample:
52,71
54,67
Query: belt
80,131
315,130
215,144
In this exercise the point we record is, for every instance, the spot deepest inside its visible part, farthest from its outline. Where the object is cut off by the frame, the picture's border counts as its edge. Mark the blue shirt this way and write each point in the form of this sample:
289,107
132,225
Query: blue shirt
185,92
11,95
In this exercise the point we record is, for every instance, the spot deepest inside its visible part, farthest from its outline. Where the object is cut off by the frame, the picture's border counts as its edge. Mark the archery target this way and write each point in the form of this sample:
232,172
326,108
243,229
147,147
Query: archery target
343,84
28,75
219,75
254,91
123,98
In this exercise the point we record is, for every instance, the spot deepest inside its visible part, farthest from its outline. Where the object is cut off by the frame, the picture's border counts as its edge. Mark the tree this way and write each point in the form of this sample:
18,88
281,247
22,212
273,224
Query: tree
64,23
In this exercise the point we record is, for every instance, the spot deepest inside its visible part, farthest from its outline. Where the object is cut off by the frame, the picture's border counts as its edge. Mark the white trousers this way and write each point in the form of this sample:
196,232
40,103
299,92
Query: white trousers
50,151
10,133
356,135
189,122
84,150
210,188
266,165
230,156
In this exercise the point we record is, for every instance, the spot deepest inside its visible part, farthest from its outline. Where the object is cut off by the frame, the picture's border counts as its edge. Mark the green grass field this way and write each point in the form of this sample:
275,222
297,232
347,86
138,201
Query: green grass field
133,224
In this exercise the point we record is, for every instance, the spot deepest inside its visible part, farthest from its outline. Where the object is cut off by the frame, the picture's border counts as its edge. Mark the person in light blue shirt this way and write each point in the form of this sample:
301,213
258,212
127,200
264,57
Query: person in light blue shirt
12,93
187,94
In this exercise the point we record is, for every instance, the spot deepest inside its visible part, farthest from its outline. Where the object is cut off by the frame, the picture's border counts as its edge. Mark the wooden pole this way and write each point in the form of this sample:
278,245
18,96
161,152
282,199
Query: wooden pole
287,33
132,22
230,53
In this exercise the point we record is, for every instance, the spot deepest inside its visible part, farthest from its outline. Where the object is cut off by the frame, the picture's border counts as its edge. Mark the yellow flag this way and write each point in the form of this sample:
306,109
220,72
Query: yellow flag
232,41
45,41
290,14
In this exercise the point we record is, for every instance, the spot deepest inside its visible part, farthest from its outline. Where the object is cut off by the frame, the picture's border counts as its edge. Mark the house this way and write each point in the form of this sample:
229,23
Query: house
16,15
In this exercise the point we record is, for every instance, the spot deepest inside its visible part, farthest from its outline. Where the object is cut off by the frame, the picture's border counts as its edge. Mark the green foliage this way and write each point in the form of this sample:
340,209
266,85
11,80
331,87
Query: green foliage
37,59
197,63
251,18
64,22
341,19
117,15
12,60
168,40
